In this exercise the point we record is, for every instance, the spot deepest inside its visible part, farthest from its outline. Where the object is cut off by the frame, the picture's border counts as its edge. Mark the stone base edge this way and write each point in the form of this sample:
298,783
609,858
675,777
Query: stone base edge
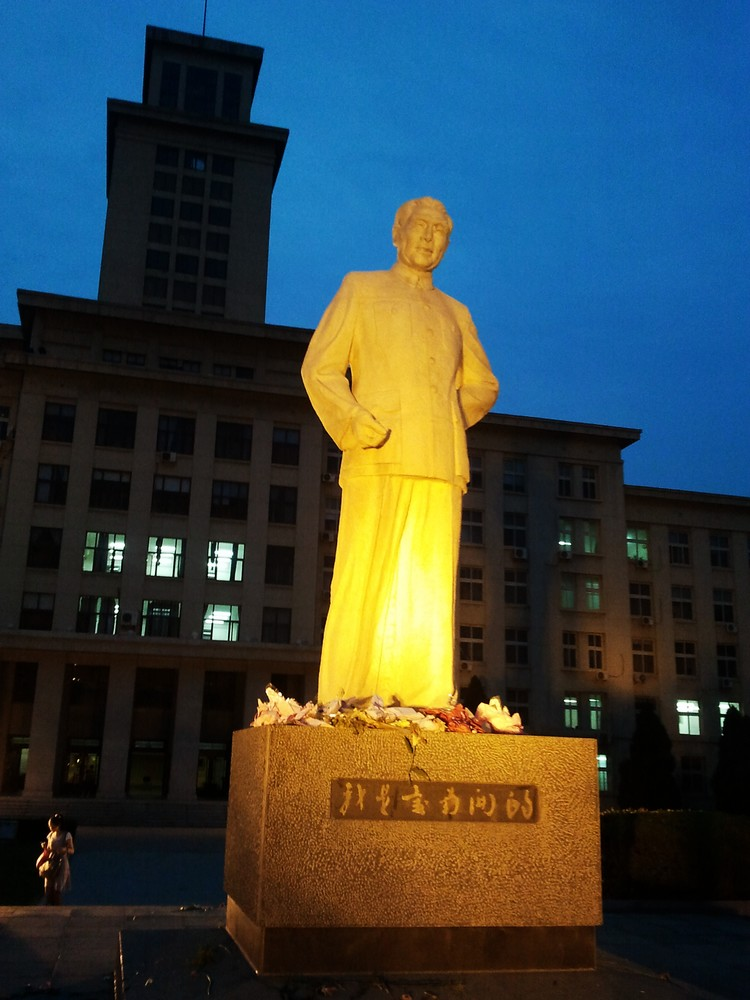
298,951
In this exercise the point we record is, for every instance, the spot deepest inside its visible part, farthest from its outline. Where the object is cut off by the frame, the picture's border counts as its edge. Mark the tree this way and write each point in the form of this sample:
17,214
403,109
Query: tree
731,779
647,778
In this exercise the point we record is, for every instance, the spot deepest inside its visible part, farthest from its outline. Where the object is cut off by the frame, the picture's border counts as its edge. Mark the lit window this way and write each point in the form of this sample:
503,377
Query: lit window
724,707
637,544
592,586
567,592
595,706
97,615
221,622
103,552
565,536
591,537
225,561
161,618
570,705
601,764
165,556
688,717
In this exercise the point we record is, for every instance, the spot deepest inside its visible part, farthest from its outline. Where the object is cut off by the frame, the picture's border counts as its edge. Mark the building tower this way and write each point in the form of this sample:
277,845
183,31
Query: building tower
189,183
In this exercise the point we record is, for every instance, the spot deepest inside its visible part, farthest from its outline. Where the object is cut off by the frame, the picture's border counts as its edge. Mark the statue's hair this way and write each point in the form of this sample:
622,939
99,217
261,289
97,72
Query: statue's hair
408,207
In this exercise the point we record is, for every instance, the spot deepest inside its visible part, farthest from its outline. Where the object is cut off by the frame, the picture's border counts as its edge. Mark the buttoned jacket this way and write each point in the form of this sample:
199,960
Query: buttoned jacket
408,355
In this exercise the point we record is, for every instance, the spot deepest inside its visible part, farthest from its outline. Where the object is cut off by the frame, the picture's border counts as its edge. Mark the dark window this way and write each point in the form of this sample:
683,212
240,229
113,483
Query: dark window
191,211
167,156
176,434
214,295
170,495
37,611
277,625
589,482
471,583
285,446
161,618
471,643
194,187
59,421
110,489
152,727
679,548
640,599
517,646
233,440
184,291
4,422
189,238
51,484
217,242
564,480
115,428
162,208
514,530
97,615
472,527
230,98
516,587
154,288
159,232
170,85
157,260
514,475
280,565
221,190
44,547
200,91
164,181
229,499
282,504
243,372
81,728
215,268
186,264
719,551
218,216
223,165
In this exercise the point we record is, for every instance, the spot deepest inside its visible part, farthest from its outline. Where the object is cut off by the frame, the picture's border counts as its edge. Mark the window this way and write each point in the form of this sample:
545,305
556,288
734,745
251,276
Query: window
193,187
223,165
97,615
200,91
184,291
679,548
471,583
167,156
591,537
570,650
160,232
643,656
637,544
217,242
595,650
280,565
589,482
103,552
723,605
233,441
221,191
110,489
592,589
214,296
170,495
161,618
472,526
517,700
682,603
218,216
719,551
282,504
44,548
471,643
225,561
37,611
476,471
516,589
724,707
514,530
195,160
115,428
685,661
514,475
640,600
162,208
186,264
176,434
157,260
229,499
154,699
726,660
221,622
285,446
230,98
692,777
59,422
595,711
333,460
154,288
564,480
688,717
603,771
4,422
570,711
276,625
165,557
189,238
567,591
565,536
215,268
517,647
170,85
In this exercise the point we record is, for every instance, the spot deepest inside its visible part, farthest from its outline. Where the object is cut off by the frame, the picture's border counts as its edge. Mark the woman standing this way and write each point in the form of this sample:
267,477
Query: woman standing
58,845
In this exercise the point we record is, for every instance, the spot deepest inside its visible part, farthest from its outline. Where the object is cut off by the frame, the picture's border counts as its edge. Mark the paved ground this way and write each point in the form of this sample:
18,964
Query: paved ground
159,892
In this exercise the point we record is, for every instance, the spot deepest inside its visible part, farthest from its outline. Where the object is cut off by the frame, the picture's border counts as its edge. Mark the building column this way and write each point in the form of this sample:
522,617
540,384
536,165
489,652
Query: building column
118,717
45,727
187,732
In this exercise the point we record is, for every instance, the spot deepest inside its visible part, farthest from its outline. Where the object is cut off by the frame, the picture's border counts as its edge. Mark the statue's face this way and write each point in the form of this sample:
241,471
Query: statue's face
422,240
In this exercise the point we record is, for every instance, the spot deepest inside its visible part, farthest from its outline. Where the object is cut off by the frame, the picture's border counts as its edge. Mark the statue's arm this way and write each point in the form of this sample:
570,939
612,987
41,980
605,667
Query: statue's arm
324,374
479,388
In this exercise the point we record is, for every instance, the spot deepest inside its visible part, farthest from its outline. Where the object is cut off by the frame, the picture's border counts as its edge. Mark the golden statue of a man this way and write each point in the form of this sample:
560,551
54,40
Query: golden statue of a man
396,373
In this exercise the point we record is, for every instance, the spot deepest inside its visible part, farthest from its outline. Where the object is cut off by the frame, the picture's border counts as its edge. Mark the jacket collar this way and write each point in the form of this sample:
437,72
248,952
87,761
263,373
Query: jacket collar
417,279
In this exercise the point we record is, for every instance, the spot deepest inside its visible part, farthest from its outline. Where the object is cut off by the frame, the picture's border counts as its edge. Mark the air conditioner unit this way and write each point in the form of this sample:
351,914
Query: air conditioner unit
566,554
328,477
647,620
169,456
639,678
520,554
601,675
465,666
731,627
725,683
328,536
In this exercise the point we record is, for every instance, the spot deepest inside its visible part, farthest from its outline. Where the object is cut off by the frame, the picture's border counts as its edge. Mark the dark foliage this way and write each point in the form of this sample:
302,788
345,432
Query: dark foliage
647,778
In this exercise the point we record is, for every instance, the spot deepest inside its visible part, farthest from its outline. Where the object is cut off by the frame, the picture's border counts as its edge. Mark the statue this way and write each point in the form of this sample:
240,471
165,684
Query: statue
396,373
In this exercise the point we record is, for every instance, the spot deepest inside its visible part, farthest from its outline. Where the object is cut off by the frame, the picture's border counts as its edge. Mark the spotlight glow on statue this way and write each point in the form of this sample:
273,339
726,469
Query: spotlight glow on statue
396,373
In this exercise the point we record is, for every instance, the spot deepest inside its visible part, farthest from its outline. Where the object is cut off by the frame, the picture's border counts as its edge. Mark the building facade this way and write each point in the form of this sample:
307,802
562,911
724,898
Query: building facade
169,509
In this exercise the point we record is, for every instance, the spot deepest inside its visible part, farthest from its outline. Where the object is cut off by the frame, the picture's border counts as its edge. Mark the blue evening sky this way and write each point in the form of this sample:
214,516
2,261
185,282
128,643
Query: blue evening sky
593,155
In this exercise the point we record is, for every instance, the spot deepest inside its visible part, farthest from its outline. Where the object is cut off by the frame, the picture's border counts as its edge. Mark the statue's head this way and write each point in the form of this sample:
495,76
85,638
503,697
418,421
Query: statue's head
421,233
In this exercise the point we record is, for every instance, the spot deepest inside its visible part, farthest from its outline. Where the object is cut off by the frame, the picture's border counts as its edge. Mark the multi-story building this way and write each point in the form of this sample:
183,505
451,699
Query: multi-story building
169,508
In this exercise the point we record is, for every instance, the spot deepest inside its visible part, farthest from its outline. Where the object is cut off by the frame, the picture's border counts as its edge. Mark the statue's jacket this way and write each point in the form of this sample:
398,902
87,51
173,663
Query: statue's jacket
414,361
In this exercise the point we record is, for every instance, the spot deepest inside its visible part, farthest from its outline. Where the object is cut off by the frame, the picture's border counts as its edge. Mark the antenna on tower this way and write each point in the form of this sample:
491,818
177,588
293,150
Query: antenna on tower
205,8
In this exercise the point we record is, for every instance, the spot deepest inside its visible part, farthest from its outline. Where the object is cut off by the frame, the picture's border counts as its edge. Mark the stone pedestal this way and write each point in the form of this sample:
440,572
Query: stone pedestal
354,853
